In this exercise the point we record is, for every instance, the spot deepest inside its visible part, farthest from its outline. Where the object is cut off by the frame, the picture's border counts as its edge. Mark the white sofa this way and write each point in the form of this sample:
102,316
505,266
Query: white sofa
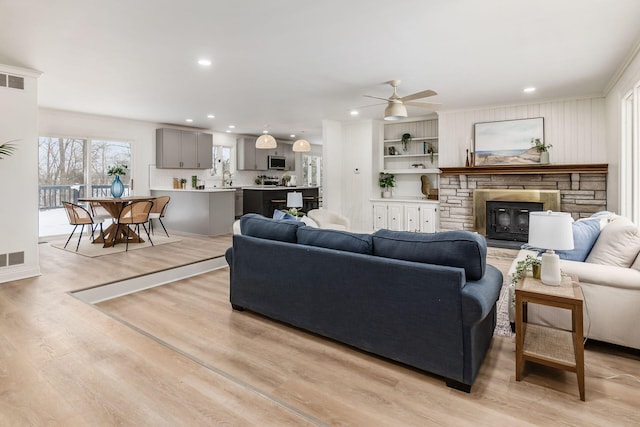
610,281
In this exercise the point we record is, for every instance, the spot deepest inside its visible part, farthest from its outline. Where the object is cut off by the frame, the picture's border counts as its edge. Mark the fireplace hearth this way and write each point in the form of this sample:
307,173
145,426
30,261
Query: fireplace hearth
508,220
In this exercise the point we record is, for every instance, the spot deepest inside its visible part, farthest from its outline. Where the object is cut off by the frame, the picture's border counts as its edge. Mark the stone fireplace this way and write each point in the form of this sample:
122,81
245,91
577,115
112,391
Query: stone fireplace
578,189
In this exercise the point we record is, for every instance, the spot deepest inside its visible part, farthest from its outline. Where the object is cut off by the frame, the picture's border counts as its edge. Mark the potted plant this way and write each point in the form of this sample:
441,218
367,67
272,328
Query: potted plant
7,148
117,187
406,138
529,263
543,149
386,181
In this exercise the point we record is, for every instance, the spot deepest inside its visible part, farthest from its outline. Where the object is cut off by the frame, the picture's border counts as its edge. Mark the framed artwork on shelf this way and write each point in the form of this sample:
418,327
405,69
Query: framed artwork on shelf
508,142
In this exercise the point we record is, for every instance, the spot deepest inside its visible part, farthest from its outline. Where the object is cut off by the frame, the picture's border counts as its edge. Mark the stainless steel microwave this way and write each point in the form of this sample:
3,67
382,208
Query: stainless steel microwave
276,162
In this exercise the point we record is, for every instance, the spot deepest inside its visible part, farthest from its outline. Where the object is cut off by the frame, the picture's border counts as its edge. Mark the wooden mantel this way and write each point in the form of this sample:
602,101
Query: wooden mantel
535,169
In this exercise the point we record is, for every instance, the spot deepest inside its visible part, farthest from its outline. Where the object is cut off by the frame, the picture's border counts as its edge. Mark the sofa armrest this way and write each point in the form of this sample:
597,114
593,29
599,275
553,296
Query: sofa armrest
480,296
605,275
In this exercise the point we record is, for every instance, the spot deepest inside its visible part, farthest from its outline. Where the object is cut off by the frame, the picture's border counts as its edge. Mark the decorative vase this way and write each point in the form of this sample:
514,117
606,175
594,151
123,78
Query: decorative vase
535,270
544,158
117,187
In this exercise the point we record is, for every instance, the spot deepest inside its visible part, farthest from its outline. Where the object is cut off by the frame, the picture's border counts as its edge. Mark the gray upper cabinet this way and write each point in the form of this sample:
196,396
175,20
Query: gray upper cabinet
180,149
251,158
246,154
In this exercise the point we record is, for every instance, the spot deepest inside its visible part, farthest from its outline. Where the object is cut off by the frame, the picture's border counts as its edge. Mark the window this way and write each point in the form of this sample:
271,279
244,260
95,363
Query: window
222,163
70,166
311,170
630,156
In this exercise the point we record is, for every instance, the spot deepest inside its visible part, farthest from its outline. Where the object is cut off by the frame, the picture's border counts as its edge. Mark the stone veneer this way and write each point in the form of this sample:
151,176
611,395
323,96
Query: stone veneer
581,194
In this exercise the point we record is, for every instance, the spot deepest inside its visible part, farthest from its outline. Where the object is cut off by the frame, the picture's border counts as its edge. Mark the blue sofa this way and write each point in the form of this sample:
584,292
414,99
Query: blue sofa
425,300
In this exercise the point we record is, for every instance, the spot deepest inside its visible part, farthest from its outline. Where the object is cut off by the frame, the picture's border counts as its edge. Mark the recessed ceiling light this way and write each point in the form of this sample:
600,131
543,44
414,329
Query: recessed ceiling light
293,135
228,130
232,126
211,116
265,131
354,112
529,89
188,120
204,62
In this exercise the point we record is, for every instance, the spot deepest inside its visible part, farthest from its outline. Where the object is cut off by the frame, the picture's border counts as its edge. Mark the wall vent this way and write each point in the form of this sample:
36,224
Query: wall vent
14,82
16,258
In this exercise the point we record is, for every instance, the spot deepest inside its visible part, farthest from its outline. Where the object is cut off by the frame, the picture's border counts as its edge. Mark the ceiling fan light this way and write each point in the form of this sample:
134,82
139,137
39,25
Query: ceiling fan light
395,111
266,142
301,145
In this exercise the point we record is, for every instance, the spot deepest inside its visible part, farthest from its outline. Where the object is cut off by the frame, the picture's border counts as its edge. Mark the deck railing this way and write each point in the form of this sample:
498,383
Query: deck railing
52,196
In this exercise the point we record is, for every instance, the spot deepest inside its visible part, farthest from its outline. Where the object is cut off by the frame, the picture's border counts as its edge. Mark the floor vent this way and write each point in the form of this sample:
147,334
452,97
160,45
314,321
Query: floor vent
14,82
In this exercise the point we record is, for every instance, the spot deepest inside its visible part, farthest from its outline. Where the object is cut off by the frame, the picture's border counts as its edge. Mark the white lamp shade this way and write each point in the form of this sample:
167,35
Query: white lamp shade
294,199
266,142
395,111
301,145
551,230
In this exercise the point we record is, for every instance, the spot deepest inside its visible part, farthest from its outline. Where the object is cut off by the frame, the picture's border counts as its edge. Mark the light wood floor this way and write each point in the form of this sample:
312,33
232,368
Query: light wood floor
178,355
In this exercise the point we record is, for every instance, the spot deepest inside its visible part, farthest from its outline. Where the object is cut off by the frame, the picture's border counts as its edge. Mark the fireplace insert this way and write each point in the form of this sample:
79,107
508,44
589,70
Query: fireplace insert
509,220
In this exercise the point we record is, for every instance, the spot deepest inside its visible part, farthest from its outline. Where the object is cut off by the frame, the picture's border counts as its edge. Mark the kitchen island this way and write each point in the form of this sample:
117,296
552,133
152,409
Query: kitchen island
209,212
263,199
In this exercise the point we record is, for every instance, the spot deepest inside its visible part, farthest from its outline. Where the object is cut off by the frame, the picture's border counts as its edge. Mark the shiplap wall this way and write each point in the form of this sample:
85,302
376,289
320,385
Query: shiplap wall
576,128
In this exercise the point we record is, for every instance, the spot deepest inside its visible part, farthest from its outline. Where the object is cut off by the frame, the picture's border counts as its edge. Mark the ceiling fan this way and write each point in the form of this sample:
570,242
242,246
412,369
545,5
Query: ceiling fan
396,109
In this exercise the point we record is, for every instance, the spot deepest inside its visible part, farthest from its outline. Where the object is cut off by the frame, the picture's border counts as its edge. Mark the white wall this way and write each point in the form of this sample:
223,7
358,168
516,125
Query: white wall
19,175
348,146
576,128
622,84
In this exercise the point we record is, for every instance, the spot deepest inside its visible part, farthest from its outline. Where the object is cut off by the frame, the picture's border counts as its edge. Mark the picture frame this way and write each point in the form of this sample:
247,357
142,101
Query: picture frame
507,142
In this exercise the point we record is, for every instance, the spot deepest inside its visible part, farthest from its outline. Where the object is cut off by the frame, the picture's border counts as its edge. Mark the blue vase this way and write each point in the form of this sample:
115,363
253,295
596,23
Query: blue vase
117,187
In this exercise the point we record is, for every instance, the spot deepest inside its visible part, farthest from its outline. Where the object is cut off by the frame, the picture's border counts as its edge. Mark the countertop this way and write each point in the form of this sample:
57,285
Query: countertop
193,190
275,187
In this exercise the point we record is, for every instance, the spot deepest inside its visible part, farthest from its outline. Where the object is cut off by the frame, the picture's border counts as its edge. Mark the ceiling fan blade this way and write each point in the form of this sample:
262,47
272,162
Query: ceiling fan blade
370,105
422,104
377,97
418,95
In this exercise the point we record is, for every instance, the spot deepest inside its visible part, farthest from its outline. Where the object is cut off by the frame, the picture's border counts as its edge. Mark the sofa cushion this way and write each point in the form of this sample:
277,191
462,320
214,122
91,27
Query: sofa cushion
585,234
618,244
451,248
256,225
336,239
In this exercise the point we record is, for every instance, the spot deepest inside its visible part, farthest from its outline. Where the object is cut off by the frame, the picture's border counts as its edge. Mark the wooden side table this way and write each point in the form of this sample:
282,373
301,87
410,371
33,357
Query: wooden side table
546,345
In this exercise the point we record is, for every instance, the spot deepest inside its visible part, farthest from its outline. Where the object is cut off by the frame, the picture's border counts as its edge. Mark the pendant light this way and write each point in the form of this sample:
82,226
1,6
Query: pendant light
301,146
266,142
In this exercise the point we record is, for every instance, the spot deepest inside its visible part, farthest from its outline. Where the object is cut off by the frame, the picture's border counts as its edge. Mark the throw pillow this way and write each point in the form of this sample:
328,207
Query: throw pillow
335,239
618,244
585,234
278,214
256,225
451,248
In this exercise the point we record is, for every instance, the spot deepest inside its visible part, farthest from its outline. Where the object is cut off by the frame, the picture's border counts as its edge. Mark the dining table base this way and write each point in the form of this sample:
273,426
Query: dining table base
117,233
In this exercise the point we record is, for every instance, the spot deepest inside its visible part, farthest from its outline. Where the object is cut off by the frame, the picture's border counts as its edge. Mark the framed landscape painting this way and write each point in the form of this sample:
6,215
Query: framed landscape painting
508,142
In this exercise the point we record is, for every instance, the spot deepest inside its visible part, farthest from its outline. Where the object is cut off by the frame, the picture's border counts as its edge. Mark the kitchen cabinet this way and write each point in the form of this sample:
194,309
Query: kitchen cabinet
263,200
180,149
420,216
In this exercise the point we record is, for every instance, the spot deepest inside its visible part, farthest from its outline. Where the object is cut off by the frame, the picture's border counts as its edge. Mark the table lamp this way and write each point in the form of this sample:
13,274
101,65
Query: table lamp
551,231
294,201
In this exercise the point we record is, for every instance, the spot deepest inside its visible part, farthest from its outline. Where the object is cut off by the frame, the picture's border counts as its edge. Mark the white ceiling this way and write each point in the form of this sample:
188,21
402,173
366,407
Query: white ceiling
289,64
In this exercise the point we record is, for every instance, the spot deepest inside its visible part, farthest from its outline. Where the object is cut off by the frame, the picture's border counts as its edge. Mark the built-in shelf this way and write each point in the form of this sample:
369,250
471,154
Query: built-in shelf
527,169
414,138
410,155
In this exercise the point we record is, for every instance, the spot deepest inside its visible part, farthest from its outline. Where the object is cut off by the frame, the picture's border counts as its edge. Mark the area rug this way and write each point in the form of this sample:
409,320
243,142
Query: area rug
91,250
503,327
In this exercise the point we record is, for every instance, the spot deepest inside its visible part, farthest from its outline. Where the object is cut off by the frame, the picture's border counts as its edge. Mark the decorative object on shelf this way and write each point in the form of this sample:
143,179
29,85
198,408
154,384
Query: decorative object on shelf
418,165
430,151
425,185
543,149
467,163
550,230
472,159
117,187
507,142
7,148
406,139
266,142
392,151
386,181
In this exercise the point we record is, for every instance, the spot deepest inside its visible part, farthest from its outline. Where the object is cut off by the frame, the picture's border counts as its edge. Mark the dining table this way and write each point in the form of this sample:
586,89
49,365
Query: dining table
116,232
